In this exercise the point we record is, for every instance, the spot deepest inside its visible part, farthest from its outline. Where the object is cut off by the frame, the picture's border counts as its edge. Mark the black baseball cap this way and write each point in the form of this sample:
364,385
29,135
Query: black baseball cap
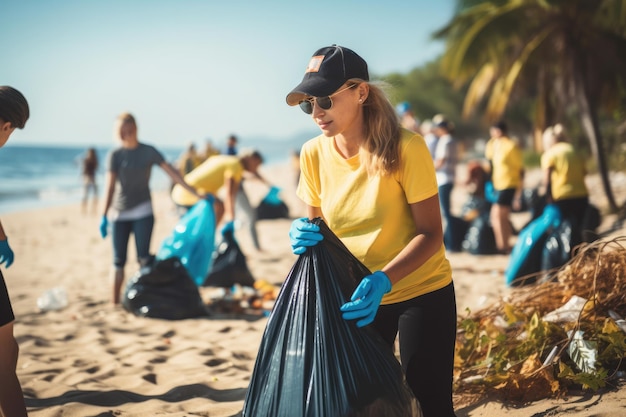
329,68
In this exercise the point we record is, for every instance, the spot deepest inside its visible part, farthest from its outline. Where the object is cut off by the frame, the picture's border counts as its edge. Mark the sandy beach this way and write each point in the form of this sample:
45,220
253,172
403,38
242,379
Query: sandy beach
93,359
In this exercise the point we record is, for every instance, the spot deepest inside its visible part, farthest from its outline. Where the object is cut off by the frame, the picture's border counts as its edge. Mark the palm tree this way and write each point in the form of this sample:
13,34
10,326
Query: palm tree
563,52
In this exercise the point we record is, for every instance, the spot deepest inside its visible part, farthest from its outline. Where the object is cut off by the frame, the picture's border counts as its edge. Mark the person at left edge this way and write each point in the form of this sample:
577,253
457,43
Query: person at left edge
374,185
128,193
14,113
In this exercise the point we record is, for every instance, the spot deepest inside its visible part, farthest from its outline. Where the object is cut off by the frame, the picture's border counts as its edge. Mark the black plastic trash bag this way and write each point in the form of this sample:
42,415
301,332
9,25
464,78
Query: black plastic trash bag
455,233
474,207
229,265
592,218
479,239
312,362
163,289
557,249
272,207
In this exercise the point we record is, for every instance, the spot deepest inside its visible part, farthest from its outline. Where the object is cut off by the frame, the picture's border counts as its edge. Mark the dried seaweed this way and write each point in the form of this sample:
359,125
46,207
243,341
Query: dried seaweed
508,349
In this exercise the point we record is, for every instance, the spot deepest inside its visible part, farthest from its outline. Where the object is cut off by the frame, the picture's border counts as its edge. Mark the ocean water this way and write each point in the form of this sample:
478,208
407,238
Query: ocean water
42,176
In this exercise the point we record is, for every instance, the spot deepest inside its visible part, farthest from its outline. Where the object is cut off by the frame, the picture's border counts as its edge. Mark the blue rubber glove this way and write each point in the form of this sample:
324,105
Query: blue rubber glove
229,227
366,298
303,234
6,254
104,227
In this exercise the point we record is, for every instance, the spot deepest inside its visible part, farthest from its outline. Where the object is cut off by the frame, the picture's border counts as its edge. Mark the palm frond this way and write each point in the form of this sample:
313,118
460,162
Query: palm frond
504,86
478,89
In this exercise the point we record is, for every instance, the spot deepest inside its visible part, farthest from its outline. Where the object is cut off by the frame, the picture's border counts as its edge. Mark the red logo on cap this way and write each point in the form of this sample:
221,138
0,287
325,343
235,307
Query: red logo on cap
314,64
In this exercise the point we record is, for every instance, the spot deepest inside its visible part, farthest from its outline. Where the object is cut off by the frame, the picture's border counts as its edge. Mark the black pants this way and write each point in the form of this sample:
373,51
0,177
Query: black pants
573,209
426,327
6,312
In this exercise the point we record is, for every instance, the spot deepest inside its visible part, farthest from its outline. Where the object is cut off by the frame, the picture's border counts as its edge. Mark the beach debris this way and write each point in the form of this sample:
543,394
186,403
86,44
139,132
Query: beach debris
568,312
582,352
621,323
562,334
529,381
52,299
241,299
551,356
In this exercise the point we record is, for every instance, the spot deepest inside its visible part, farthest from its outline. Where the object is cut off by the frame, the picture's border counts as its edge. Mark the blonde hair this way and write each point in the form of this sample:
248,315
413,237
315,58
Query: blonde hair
122,119
127,118
552,135
380,152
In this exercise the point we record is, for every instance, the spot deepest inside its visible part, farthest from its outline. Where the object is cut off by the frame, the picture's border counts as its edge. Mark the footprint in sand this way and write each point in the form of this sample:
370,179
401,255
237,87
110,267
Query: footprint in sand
207,352
150,378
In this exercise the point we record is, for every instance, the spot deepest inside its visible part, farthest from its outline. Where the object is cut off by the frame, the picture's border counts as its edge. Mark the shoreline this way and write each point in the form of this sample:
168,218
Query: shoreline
54,197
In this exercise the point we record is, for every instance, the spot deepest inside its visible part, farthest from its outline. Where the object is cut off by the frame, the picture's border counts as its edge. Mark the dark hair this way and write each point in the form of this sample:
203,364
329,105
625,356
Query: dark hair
250,153
500,125
13,107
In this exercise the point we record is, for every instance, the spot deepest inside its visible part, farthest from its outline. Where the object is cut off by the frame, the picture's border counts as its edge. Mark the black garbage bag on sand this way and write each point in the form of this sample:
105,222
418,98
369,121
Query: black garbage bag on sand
163,289
311,361
272,207
479,239
229,265
455,232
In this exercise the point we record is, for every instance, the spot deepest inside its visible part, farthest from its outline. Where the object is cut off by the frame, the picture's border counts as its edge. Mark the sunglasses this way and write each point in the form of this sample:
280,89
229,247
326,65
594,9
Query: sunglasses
324,103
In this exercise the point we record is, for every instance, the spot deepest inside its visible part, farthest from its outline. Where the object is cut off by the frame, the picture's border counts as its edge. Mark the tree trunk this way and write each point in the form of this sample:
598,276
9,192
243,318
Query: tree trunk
589,120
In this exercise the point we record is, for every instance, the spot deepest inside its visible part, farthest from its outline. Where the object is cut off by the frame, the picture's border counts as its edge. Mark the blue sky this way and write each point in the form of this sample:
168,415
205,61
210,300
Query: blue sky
190,69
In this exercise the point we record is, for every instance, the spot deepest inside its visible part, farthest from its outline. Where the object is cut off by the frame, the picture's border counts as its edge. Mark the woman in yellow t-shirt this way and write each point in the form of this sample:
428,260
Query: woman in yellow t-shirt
374,185
564,175
507,175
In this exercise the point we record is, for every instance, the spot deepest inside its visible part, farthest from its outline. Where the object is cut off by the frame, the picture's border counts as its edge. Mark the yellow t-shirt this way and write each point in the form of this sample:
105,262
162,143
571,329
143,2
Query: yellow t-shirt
506,160
567,179
371,216
208,177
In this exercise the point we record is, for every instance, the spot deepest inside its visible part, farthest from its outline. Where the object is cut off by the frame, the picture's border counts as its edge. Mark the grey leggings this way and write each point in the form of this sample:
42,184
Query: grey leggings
121,230
243,203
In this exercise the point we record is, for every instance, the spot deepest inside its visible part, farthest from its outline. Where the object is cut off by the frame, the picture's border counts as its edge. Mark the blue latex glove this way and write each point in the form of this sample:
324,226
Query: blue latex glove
229,227
366,298
104,227
303,234
6,254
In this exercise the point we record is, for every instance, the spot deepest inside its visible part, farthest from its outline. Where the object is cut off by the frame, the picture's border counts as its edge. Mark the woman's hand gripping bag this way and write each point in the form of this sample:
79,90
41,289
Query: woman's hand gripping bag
312,362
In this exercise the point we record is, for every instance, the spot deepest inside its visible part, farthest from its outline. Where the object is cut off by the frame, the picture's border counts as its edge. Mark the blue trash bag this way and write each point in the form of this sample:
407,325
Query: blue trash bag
526,254
491,195
272,207
272,196
193,241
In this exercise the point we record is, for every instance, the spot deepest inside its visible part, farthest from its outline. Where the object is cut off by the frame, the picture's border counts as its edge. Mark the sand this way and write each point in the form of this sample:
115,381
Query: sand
93,359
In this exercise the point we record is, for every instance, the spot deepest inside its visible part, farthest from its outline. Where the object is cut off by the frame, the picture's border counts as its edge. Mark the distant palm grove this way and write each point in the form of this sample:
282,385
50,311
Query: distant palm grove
533,63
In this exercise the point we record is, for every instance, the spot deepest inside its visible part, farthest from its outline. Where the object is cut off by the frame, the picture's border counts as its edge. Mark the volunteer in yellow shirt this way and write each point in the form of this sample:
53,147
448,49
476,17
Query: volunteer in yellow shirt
214,173
507,175
564,175
374,185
